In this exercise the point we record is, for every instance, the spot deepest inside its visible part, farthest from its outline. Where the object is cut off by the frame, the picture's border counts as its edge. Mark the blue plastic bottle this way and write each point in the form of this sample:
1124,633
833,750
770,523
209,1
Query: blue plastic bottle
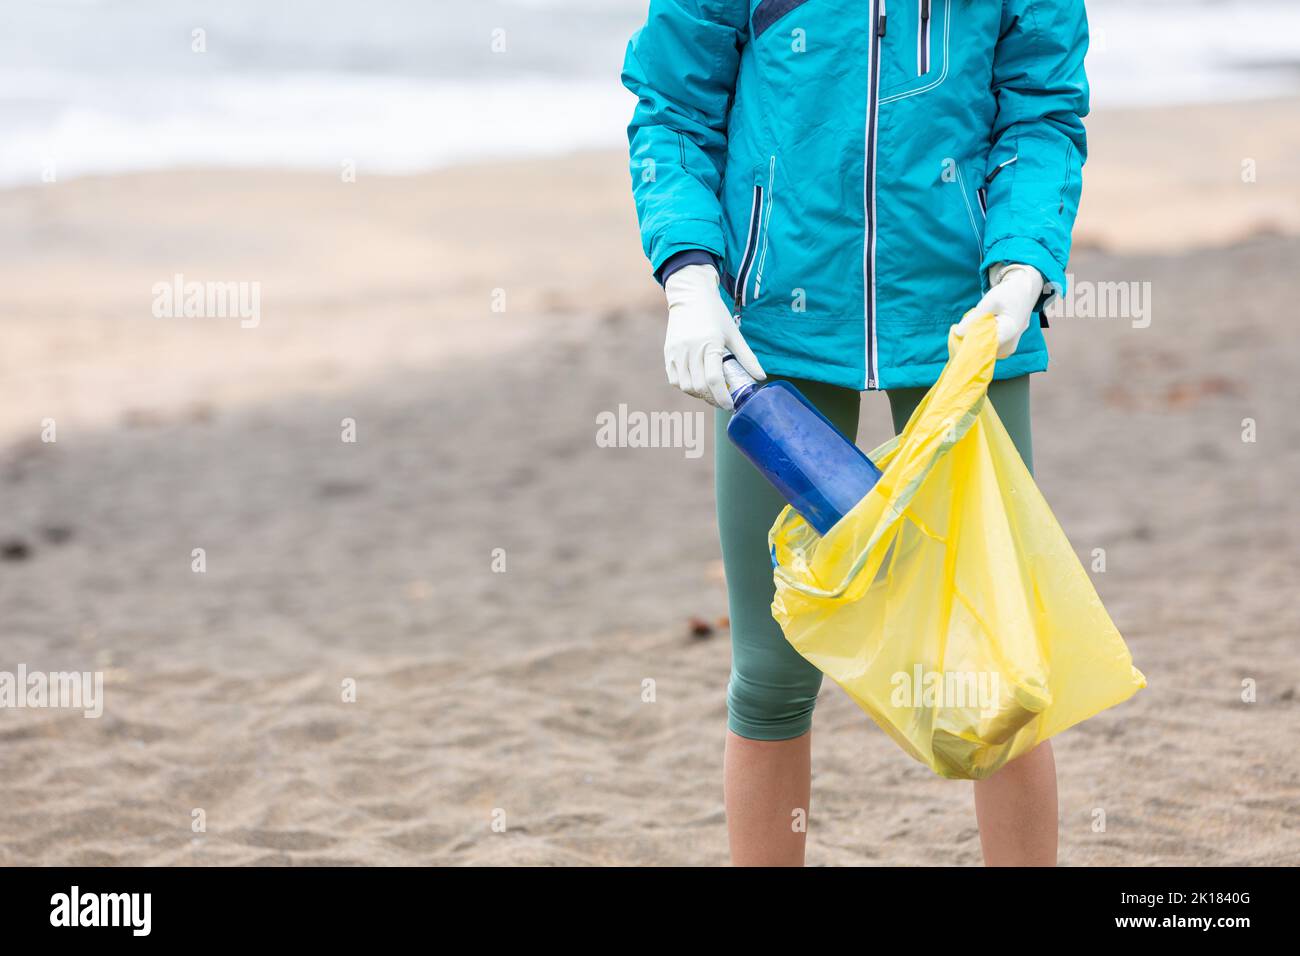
819,471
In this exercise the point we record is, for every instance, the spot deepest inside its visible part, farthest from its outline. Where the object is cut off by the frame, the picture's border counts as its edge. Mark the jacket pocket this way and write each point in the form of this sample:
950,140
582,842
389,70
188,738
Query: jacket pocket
919,60
973,198
768,12
1069,176
753,258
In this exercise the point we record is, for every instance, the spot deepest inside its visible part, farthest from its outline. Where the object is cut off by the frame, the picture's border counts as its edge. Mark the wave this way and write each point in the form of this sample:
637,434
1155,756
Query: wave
401,86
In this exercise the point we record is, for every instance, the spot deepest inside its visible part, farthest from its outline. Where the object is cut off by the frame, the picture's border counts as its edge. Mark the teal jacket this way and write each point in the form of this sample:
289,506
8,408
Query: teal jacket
856,166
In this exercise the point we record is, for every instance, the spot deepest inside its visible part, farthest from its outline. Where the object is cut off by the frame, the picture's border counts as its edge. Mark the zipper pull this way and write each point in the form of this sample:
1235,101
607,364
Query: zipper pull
880,22
925,10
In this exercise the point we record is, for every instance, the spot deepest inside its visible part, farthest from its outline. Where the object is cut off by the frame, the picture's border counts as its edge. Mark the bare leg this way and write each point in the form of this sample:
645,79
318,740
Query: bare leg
767,786
1017,811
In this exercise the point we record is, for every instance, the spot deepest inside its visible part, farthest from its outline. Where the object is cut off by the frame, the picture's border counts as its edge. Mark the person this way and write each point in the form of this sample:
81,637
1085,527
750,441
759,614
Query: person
824,189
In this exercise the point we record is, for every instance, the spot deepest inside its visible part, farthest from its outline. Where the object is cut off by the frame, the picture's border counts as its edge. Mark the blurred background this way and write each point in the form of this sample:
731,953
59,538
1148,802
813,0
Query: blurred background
383,474
404,85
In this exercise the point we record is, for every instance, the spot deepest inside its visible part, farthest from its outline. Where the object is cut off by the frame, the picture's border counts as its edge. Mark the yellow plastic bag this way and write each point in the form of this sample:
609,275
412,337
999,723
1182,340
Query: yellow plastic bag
948,602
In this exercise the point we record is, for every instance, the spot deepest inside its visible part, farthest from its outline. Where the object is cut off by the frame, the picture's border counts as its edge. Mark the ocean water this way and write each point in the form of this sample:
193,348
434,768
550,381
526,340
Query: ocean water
91,86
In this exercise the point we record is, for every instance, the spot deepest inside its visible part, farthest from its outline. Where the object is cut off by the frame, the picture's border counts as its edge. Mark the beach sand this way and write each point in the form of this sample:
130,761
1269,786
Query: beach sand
500,715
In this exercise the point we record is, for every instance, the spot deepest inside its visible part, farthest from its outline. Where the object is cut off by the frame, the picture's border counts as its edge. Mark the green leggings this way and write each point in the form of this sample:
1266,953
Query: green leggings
772,689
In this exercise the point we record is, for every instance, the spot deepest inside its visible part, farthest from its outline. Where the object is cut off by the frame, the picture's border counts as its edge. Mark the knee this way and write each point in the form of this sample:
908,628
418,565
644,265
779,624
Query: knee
768,703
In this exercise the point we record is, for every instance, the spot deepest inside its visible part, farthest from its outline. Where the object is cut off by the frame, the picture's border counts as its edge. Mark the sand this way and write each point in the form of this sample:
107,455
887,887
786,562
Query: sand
500,717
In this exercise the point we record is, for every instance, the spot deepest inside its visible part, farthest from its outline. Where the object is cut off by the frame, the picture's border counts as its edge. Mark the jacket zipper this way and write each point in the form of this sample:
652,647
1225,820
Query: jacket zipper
878,22
766,229
751,247
923,40
982,194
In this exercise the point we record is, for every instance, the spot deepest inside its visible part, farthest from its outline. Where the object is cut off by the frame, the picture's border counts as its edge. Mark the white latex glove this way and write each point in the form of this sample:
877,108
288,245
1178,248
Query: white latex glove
700,331
1013,293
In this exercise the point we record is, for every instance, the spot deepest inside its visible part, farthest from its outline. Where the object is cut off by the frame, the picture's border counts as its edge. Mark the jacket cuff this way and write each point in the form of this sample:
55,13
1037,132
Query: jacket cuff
1030,252
687,257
